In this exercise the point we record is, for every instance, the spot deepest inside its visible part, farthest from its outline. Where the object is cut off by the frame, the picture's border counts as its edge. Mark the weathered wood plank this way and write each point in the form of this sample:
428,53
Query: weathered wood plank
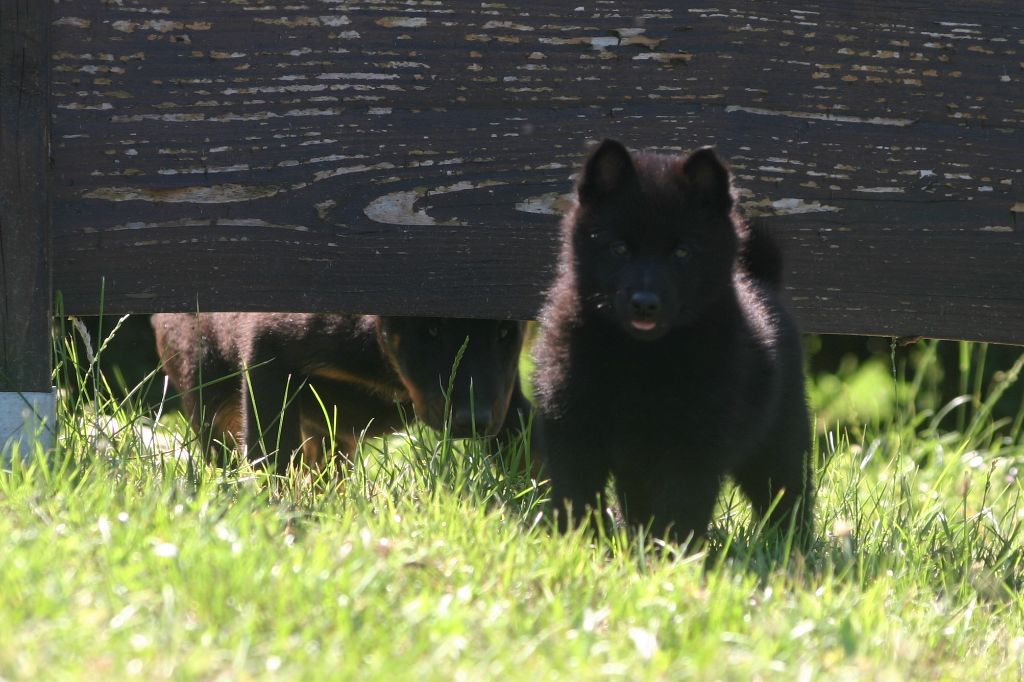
410,157
25,294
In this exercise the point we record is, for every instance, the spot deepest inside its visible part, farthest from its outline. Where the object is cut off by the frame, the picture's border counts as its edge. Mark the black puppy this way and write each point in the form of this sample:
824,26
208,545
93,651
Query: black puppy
358,365
666,356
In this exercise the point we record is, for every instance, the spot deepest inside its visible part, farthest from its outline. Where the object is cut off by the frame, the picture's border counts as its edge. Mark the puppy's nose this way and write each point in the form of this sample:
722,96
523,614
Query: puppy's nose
464,418
645,304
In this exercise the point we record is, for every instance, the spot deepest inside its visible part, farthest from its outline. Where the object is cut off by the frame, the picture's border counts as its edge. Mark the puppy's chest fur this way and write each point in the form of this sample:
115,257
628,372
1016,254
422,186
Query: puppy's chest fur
698,395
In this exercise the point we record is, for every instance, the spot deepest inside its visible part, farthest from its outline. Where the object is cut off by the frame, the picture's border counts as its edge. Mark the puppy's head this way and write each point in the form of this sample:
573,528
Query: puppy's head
484,354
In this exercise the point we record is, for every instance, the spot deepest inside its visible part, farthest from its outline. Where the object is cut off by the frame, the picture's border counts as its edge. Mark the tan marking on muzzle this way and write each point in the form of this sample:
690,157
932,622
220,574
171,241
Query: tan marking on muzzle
335,373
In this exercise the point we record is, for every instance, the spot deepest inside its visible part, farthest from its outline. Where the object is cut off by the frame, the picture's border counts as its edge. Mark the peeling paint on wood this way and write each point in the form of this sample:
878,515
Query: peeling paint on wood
208,194
550,203
208,223
399,208
880,141
839,118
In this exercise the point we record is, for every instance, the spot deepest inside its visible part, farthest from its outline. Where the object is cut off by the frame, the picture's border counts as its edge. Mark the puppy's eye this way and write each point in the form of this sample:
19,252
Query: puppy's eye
433,330
620,249
680,253
503,332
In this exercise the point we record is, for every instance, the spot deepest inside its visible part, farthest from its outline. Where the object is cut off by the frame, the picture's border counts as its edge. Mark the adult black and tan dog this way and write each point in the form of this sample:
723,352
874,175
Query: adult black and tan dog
280,367
666,357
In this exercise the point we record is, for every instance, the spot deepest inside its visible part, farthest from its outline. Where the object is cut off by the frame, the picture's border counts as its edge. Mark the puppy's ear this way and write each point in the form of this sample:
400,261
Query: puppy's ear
608,170
706,177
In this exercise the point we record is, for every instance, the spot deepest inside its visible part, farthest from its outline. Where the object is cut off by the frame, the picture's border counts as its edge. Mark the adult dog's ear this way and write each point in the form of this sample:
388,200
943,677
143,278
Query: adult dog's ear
608,170
705,176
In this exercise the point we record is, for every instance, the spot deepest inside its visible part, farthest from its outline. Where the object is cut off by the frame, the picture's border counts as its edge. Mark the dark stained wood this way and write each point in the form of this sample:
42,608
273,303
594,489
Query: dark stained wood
410,157
24,198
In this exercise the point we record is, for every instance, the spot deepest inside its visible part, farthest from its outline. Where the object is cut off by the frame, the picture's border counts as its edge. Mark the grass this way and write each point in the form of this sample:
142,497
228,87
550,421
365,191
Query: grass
123,556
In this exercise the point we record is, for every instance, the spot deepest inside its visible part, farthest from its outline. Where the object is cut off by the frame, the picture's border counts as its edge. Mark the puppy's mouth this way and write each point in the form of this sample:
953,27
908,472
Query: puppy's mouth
645,330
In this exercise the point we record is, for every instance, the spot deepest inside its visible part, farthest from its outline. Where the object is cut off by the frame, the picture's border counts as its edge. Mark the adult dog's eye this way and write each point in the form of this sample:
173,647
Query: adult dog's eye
433,330
503,332
619,248
680,253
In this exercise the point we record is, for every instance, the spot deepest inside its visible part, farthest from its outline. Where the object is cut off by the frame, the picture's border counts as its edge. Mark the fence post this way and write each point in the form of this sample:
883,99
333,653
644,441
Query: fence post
27,396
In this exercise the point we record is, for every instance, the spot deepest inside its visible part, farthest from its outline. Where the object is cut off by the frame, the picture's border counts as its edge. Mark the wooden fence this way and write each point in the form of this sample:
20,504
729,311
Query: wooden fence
412,157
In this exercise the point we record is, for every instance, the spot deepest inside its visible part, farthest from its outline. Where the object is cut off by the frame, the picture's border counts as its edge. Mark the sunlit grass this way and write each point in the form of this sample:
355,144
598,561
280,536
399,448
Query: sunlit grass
125,555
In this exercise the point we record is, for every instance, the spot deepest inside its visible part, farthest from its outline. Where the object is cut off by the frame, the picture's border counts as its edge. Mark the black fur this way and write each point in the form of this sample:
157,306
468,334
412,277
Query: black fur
359,365
666,357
